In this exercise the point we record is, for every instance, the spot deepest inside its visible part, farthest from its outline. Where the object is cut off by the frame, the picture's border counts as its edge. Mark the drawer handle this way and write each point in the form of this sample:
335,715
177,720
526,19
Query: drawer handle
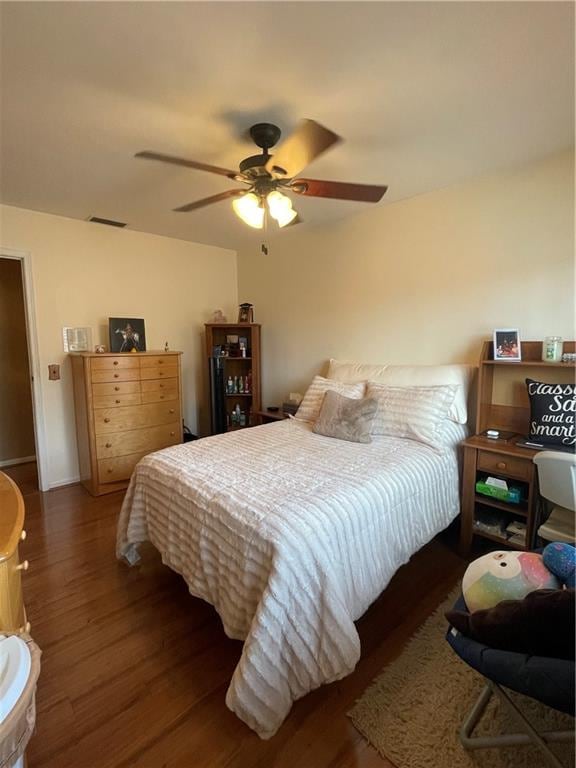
161,397
106,421
171,410
116,389
160,362
108,445
172,434
24,565
161,386
115,362
160,373
109,470
116,375
117,401
23,535
501,465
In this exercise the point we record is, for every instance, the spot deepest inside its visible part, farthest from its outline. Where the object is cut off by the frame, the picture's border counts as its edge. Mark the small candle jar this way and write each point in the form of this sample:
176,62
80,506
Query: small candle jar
552,349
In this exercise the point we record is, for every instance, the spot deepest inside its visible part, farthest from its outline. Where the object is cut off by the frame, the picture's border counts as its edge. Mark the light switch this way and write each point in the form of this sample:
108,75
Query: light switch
53,372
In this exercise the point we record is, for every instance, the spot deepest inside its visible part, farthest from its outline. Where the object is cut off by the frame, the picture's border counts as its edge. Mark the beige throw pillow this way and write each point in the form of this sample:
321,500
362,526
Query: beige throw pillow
417,413
312,402
346,418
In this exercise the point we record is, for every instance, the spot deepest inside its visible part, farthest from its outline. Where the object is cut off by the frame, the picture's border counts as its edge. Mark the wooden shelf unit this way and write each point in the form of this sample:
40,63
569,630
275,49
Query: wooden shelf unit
222,403
503,404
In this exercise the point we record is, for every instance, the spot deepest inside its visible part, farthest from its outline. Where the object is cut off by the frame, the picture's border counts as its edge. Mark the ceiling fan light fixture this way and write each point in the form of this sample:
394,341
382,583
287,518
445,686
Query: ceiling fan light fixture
280,207
249,209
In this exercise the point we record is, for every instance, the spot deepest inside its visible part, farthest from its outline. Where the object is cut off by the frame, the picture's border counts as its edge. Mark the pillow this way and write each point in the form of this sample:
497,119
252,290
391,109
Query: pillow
312,401
411,375
416,413
552,412
346,418
542,624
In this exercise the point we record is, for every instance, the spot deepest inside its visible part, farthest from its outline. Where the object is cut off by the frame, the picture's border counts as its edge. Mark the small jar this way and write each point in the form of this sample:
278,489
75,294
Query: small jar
552,349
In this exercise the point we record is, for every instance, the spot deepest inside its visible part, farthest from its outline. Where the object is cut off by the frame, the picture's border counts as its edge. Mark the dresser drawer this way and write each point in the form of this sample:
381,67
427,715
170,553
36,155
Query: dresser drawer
115,401
156,396
159,372
149,361
116,388
134,416
157,385
146,440
12,616
504,465
118,468
113,363
116,374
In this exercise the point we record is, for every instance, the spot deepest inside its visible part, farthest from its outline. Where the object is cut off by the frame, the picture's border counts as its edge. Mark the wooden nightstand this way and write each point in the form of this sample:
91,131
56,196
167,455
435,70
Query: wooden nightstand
266,417
503,405
483,456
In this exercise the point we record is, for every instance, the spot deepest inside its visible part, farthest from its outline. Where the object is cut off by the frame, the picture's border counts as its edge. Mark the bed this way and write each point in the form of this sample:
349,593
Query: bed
291,536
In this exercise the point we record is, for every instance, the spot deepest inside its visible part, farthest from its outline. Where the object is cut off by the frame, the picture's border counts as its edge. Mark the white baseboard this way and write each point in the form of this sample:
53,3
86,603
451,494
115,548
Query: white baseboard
60,483
22,460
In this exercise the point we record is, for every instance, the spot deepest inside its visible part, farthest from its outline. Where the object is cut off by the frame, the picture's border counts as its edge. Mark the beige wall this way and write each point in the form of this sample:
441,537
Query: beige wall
419,281
84,273
16,425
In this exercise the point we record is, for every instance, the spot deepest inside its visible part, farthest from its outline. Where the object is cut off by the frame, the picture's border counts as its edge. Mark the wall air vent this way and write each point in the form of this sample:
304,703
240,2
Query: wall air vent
109,222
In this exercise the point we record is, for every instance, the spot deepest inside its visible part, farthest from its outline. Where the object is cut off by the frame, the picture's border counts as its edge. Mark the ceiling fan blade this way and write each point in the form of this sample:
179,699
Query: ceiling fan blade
338,190
209,200
187,163
307,142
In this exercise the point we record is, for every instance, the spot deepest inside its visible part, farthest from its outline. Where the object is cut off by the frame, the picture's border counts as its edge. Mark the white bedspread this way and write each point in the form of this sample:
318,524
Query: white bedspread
291,536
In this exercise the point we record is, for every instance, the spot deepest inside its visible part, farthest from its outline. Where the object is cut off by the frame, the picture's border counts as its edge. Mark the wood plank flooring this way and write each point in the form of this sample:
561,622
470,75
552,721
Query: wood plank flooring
135,670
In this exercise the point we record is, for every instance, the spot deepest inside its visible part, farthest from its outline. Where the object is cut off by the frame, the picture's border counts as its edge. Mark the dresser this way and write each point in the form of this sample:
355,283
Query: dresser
12,615
127,405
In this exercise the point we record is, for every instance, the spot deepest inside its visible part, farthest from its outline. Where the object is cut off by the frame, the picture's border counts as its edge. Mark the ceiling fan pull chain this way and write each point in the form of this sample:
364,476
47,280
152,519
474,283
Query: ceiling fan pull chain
264,249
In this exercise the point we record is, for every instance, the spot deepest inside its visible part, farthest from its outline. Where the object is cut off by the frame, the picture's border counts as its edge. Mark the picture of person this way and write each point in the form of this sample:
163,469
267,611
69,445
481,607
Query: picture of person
507,344
126,335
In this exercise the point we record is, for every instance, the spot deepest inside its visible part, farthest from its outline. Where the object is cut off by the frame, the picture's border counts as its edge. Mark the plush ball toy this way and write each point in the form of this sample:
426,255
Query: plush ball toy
504,576
560,558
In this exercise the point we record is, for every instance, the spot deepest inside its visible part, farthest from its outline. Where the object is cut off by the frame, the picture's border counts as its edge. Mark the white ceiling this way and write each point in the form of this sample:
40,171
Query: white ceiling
425,94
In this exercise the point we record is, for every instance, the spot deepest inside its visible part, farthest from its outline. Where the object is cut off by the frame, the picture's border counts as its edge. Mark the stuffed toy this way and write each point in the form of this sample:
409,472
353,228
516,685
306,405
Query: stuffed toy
501,576
560,559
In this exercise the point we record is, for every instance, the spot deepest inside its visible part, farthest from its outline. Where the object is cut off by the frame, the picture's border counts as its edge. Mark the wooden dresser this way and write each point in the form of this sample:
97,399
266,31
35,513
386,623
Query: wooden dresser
127,405
12,614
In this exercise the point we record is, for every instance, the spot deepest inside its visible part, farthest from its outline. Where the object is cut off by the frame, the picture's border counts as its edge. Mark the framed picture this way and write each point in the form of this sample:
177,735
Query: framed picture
507,344
127,334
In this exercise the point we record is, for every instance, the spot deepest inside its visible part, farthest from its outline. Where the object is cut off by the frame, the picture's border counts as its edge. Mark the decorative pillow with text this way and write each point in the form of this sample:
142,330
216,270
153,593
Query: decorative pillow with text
552,412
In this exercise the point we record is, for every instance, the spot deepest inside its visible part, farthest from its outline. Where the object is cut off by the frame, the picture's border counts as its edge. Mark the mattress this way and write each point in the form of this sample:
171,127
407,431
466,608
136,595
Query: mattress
290,536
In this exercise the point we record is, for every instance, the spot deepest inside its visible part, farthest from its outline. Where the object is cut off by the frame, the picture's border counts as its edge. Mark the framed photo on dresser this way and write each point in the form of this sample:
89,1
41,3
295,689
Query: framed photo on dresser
127,334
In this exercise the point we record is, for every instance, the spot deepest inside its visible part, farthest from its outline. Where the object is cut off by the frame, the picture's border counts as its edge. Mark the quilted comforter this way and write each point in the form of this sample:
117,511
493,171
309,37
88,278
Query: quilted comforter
291,536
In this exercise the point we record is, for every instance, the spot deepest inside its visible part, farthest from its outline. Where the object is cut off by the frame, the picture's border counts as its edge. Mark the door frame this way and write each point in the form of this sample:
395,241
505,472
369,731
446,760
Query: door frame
25,259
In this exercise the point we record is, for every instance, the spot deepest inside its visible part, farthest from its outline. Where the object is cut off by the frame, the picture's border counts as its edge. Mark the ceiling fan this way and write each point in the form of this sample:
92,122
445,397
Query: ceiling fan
268,176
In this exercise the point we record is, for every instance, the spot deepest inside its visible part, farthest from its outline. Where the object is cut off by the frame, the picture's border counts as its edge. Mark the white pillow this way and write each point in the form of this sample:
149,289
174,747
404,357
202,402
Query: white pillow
416,413
312,402
411,375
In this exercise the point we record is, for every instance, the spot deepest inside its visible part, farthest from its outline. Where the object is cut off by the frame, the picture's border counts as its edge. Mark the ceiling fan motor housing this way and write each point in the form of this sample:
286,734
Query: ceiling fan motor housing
265,135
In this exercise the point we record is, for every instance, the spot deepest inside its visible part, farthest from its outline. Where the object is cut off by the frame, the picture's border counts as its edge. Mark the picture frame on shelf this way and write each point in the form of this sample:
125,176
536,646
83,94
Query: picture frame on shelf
127,334
507,345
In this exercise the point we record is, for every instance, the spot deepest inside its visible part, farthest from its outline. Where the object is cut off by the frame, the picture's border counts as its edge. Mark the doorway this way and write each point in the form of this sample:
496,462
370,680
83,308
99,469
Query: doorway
18,433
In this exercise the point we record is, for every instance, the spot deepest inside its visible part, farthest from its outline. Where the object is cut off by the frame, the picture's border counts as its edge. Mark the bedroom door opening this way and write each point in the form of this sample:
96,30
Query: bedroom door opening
20,441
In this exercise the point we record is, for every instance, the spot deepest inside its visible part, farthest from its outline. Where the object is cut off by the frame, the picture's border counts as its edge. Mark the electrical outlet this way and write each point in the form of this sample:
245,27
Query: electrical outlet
53,372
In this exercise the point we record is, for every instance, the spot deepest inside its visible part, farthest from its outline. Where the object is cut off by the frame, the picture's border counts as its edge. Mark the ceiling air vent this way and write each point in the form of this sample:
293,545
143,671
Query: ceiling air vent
109,222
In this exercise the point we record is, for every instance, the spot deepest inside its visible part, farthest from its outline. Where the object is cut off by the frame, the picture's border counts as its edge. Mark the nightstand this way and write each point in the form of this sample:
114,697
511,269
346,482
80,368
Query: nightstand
505,460
503,405
266,417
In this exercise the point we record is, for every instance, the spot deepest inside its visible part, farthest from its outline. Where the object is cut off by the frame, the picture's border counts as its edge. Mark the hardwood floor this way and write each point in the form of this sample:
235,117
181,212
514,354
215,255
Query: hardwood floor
135,670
